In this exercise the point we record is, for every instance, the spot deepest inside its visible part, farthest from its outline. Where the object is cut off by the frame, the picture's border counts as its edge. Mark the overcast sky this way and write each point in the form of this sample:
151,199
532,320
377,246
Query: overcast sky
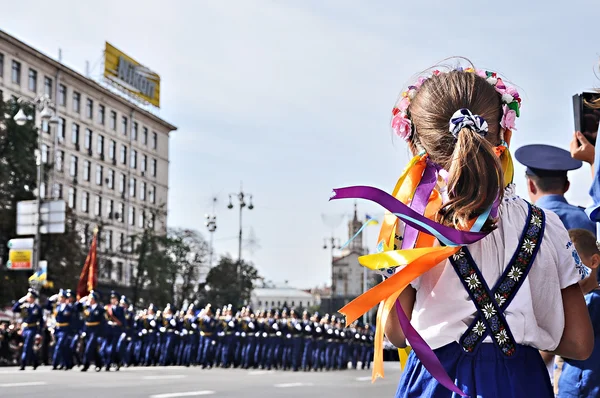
294,98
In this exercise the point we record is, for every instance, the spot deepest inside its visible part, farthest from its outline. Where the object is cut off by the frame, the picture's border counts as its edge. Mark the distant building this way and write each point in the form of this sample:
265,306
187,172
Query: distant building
265,298
110,156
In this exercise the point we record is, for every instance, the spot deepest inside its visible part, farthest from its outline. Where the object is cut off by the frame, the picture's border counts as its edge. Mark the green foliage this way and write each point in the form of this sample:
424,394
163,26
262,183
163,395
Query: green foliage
222,287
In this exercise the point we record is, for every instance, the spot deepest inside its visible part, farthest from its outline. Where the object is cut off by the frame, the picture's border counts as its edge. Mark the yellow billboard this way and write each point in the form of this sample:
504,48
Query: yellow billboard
131,76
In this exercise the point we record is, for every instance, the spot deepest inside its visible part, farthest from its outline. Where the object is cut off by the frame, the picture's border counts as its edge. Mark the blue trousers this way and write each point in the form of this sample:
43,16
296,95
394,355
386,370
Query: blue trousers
93,341
149,349
296,352
307,353
208,351
61,348
318,354
167,348
28,342
248,352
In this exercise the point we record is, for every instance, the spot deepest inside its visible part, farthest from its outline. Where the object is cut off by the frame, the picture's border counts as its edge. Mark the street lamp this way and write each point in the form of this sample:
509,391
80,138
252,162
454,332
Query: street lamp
333,244
242,204
211,224
46,108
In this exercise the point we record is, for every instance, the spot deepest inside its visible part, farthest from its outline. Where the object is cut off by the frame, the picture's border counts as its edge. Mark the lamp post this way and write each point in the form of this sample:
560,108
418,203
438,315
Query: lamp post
242,204
47,115
211,224
332,244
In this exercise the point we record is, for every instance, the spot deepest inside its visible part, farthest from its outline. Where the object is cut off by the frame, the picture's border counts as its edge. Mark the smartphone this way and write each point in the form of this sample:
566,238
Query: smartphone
585,115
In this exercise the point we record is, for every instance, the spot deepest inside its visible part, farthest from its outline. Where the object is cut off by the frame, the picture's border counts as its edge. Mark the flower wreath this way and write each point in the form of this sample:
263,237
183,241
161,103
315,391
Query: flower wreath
511,103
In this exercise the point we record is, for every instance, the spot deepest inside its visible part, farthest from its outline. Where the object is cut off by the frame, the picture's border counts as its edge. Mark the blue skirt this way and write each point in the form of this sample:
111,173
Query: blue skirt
486,373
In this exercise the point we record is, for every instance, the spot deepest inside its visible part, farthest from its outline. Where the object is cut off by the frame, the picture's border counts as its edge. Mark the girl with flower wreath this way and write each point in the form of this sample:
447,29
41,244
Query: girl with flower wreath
489,308
486,278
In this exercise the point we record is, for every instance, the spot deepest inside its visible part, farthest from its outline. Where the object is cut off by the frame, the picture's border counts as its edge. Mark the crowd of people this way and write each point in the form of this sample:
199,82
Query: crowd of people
66,333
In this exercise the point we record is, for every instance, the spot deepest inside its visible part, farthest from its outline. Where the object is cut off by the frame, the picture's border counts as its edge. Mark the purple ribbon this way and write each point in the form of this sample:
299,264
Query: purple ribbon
425,354
419,202
393,205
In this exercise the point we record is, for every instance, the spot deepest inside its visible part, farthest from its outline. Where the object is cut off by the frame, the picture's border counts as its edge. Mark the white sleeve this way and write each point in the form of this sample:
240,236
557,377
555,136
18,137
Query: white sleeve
569,267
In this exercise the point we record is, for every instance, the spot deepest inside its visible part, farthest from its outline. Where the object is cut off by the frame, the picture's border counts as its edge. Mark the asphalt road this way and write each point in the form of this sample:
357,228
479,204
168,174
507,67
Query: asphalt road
173,382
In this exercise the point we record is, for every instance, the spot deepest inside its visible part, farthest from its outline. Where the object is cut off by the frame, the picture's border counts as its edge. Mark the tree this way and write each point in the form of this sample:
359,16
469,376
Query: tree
18,176
187,254
222,287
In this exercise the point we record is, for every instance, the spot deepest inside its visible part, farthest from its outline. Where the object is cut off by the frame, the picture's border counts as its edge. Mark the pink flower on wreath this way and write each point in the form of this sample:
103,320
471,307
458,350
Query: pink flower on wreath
420,82
404,103
402,126
481,73
513,92
508,118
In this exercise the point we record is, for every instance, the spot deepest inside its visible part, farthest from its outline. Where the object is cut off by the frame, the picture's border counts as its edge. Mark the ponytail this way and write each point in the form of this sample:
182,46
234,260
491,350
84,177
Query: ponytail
474,183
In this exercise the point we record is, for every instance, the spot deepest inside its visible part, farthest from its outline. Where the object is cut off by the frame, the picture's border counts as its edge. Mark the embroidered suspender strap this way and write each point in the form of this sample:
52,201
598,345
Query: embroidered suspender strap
491,304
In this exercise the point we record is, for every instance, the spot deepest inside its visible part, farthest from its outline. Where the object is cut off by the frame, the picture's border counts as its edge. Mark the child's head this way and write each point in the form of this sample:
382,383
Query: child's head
455,117
587,248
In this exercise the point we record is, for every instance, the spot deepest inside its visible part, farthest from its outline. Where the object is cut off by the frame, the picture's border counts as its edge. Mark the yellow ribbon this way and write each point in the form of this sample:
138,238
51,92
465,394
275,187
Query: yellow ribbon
403,354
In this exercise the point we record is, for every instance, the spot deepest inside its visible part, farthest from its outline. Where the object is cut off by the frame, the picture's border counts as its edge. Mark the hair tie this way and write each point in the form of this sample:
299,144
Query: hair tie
465,118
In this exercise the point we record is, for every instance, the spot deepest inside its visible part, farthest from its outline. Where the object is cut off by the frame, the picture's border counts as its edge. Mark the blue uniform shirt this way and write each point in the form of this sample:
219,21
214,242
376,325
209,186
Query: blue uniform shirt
571,216
582,378
31,314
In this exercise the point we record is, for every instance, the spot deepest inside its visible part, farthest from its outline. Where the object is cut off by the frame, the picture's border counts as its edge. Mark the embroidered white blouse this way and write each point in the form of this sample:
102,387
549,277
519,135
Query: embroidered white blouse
443,310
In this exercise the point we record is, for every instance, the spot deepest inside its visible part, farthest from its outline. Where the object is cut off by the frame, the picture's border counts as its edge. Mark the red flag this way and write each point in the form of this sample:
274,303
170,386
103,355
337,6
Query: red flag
89,273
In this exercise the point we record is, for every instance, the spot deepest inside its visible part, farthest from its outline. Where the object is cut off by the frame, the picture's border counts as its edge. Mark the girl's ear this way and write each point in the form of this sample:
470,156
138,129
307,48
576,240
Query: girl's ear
595,261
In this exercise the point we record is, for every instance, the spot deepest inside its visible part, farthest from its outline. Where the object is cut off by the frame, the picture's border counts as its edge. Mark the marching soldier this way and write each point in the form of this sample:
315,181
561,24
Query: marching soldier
31,313
62,312
307,336
94,327
149,331
115,316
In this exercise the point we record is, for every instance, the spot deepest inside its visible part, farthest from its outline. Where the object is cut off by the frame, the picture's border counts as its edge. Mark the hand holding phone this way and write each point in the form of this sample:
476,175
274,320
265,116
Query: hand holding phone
582,149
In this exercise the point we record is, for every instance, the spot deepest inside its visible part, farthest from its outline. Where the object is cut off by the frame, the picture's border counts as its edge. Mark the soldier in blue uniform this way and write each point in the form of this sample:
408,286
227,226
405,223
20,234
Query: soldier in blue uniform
249,333
308,341
149,335
94,329
295,329
208,332
62,312
31,313
74,331
124,347
168,328
115,326
547,168
228,347
189,337
320,343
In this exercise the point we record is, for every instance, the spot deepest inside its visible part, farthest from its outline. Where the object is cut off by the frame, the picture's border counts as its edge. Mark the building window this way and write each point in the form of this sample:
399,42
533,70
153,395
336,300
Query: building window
48,87
131,217
32,80
121,241
113,120
86,170
141,220
100,145
43,190
108,271
45,126
145,136
134,131
109,208
133,160
61,130
60,158
143,191
152,220
122,183
111,179
87,142
75,134
62,95
72,197
101,114
112,149
89,108
119,270
45,153
153,168
121,214
73,168
85,202
152,194
98,206
144,162
58,191
123,154
132,187
154,140
108,237
99,174
124,125
16,72
76,101
1,65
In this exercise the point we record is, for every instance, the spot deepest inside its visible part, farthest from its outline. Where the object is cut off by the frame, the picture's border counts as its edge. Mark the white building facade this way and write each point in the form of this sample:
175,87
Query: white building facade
110,157
279,297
